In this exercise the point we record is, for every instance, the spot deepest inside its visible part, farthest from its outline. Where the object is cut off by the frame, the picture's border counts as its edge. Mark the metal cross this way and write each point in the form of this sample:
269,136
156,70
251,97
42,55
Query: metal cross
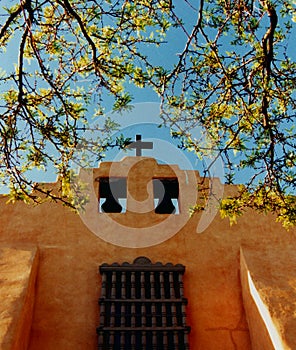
139,145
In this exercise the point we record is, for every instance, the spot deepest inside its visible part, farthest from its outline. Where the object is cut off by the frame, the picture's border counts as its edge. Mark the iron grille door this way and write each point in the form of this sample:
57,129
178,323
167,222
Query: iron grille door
142,306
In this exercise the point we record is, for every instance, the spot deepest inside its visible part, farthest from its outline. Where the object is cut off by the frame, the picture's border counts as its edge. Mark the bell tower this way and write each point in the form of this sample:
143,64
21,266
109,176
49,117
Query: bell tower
131,200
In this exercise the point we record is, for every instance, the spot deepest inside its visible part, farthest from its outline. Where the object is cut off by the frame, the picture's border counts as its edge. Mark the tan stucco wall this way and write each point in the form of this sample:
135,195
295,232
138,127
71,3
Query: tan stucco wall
18,271
68,285
269,293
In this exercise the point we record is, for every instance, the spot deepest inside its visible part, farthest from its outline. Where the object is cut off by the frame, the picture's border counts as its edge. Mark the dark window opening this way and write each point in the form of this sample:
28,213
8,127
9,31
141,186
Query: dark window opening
166,195
112,195
142,306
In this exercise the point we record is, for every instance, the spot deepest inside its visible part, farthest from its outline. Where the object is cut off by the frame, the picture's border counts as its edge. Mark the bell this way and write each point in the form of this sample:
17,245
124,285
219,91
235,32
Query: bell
165,205
111,205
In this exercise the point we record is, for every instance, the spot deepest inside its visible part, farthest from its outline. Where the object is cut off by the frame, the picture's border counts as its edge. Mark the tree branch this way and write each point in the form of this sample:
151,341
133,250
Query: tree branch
268,39
196,28
267,45
21,65
74,14
10,19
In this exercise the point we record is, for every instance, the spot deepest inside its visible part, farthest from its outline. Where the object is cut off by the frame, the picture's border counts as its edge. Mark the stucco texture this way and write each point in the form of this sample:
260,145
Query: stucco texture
68,285
18,271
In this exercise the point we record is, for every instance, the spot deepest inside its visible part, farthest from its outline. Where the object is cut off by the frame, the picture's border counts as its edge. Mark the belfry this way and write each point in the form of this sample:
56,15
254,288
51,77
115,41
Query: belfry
134,270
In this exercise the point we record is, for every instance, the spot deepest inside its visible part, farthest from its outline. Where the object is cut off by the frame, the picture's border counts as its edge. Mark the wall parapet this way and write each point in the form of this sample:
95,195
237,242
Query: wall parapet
18,270
269,294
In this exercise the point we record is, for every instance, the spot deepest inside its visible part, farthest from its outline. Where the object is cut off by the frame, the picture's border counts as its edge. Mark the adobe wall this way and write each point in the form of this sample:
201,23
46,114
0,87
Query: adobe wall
68,286
269,293
18,271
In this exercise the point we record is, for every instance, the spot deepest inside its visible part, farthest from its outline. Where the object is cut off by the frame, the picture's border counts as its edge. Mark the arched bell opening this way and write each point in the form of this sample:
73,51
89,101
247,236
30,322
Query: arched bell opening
112,195
166,195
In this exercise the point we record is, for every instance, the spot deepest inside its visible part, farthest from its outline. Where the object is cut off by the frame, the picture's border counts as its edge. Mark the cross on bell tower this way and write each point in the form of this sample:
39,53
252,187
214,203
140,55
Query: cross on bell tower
139,145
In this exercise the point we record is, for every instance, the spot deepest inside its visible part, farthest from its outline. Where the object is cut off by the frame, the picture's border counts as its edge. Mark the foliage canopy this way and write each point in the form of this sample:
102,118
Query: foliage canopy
235,77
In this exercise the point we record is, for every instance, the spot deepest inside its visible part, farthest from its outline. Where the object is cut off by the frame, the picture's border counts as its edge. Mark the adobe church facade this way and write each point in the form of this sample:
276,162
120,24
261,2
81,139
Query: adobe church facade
240,280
